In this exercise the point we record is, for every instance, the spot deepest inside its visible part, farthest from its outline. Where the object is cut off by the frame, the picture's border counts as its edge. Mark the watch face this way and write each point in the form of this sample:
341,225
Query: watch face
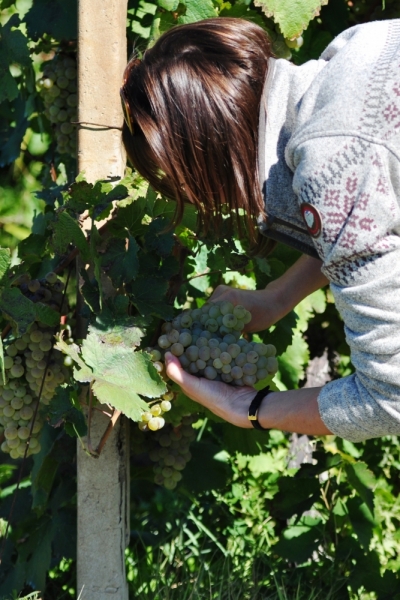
312,219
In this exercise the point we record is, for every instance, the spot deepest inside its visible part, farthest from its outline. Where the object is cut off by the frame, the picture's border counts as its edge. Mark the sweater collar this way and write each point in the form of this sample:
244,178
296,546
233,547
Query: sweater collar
281,99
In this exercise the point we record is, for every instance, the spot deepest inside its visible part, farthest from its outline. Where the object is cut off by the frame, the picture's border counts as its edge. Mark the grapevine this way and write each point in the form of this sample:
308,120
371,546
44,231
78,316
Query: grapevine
208,344
59,92
33,370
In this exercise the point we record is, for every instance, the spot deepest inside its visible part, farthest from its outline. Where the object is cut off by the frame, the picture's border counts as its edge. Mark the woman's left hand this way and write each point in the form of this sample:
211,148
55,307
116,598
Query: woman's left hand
228,402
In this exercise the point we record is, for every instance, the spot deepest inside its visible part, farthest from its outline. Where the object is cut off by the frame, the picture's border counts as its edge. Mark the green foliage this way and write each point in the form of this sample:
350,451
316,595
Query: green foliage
292,17
242,523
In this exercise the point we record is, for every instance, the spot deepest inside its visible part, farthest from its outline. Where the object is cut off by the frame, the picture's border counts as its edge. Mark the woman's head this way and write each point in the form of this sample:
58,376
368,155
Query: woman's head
193,102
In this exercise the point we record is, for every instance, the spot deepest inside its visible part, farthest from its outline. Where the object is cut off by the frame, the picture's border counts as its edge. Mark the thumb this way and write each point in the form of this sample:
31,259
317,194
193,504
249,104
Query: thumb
187,382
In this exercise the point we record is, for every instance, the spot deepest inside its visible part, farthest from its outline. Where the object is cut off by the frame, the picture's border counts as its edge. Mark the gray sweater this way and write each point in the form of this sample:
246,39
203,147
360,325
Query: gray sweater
329,161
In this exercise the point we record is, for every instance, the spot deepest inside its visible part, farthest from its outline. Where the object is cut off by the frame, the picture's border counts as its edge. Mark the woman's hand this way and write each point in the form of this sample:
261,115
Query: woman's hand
264,309
279,297
228,402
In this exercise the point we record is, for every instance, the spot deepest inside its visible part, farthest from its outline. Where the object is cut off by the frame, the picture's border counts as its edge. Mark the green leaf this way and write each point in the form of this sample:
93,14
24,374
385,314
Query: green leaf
120,263
62,408
205,472
295,496
117,373
118,329
20,310
197,10
282,335
33,245
298,542
11,138
5,261
13,50
131,216
46,315
148,295
66,232
248,442
56,18
293,360
362,521
363,481
168,4
291,15
158,238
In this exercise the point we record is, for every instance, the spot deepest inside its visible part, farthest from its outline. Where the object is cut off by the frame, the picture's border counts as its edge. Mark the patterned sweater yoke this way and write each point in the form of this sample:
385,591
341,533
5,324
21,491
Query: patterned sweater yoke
329,162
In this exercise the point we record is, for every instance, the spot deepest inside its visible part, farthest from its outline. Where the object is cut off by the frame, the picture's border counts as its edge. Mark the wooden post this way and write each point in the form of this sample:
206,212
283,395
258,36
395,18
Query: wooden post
103,483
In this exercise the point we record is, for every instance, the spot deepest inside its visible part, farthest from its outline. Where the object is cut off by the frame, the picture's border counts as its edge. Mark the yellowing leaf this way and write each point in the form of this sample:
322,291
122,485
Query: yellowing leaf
293,16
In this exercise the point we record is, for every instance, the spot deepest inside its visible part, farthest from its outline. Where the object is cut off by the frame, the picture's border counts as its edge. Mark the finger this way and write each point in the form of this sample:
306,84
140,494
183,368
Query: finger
187,382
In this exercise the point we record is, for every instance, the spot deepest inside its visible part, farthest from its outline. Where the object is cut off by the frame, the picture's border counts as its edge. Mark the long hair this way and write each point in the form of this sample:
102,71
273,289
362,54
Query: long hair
193,101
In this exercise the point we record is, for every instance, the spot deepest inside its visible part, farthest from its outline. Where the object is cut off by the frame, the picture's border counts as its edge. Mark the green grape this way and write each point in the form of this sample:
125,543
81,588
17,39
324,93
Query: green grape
12,350
239,311
204,353
271,350
217,363
10,433
185,339
169,483
233,350
272,364
236,372
252,356
173,336
262,362
249,369
185,362
193,369
17,370
23,433
226,368
215,353
210,372
200,364
249,380
201,341
177,349
226,308
8,362
155,410
163,341
229,320
146,416
166,405
155,354
261,374
225,358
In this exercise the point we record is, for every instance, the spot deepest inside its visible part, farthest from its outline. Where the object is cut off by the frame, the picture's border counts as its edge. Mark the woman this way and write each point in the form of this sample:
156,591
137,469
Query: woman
312,152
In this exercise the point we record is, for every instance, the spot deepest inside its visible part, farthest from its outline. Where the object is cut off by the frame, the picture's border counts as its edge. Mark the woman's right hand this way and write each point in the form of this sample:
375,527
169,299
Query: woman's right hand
279,297
261,303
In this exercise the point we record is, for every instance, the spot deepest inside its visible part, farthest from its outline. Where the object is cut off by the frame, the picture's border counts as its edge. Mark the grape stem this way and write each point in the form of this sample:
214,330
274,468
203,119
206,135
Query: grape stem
95,453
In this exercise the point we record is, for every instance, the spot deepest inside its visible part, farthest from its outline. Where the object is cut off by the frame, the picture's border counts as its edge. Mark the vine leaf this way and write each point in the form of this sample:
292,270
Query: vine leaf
13,49
291,15
22,312
60,19
66,232
197,10
5,261
148,295
363,481
117,374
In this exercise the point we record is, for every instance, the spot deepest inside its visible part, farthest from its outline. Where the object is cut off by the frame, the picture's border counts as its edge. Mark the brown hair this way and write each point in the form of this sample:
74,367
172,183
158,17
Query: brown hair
194,104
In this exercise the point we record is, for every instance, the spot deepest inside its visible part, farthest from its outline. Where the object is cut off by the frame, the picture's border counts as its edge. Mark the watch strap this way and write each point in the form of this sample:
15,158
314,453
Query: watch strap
255,405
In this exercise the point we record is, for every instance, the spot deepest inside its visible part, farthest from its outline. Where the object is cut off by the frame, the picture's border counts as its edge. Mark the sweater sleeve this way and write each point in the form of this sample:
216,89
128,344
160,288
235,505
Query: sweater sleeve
356,193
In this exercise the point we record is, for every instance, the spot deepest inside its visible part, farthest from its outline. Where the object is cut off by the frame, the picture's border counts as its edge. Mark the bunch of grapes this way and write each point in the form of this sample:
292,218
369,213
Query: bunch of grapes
31,364
59,92
153,418
208,344
169,450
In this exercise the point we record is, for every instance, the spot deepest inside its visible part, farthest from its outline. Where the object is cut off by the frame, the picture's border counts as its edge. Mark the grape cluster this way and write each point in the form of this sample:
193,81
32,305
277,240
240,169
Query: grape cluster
59,92
153,419
208,344
169,450
30,367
